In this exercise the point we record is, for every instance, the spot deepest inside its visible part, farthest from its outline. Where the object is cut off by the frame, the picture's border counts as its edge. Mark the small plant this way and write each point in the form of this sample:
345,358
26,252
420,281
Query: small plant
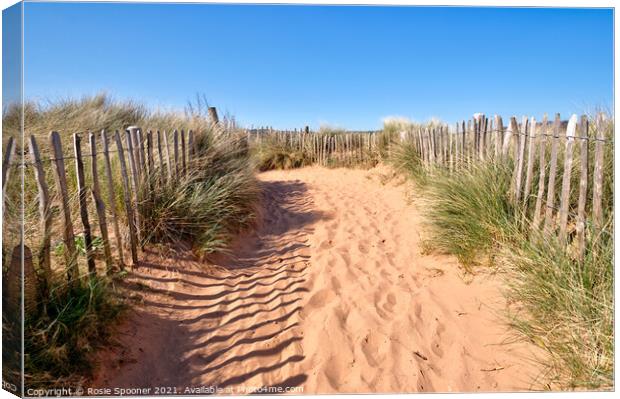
80,245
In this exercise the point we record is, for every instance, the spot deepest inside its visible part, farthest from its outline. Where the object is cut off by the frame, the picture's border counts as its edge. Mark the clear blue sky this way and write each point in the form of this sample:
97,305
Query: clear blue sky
288,66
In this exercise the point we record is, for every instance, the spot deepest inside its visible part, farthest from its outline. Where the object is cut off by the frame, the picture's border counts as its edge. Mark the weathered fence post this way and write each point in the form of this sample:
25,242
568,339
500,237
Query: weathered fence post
21,257
463,144
6,166
175,139
131,221
541,177
133,145
141,152
70,252
550,204
530,163
88,239
160,155
167,155
583,188
190,146
499,134
111,199
149,156
12,291
482,137
44,253
597,193
99,205
521,136
136,184
507,138
133,155
458,146
568,166
212,112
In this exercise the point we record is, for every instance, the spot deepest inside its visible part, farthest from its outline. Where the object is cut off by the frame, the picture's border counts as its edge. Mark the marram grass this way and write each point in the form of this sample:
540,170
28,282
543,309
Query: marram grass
561,304
206,208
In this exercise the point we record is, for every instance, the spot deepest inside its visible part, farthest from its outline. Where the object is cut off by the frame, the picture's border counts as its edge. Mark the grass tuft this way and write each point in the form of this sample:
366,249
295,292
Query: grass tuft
206,207
274,154
566,307
60,339
469,212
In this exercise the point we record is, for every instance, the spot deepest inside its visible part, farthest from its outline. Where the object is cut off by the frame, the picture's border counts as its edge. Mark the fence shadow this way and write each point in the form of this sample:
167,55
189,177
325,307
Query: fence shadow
238,314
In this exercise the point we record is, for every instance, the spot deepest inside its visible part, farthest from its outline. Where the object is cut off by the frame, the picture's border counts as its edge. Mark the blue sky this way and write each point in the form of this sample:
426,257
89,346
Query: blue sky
288,66
11,54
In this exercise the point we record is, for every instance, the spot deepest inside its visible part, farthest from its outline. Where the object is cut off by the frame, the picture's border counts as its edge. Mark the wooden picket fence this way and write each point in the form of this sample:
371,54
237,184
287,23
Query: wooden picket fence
524,145
519,145
344,149
441,149
137,158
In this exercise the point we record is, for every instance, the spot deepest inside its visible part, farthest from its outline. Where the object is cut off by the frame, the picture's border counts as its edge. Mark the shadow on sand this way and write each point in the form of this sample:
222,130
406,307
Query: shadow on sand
243,311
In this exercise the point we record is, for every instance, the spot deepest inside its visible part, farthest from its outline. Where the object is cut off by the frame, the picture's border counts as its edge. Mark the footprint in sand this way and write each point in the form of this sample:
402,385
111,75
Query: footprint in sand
435,343
382,307
333,372
320,299
370,350
391,302
336,284
325,244
362,246
418,311
436,349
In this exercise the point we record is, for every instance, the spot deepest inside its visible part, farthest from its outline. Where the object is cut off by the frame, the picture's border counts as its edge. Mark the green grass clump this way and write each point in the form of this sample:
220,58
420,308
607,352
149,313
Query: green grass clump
469,212
566,307
60,339
206,207
274,154
405,159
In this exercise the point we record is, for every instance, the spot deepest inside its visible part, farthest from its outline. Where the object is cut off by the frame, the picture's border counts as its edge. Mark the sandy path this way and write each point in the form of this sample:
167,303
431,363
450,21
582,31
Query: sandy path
332,293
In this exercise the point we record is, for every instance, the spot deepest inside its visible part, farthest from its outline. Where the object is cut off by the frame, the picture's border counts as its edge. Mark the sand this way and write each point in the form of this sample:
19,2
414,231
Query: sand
334,292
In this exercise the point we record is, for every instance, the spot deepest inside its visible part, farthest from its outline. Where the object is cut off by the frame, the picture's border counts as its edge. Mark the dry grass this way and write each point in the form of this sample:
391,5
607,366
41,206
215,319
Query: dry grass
562,303
329,147
205,208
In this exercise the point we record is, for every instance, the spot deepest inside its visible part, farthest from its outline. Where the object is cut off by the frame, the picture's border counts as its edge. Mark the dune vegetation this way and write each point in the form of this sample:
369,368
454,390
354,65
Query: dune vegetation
330,147
66,323
561,303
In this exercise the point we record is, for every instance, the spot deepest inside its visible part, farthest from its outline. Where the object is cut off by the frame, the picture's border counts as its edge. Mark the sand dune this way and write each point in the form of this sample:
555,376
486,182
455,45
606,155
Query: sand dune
332,293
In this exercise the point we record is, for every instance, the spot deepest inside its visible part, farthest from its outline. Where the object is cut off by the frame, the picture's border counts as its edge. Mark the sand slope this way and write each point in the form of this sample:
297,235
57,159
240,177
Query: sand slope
332,293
